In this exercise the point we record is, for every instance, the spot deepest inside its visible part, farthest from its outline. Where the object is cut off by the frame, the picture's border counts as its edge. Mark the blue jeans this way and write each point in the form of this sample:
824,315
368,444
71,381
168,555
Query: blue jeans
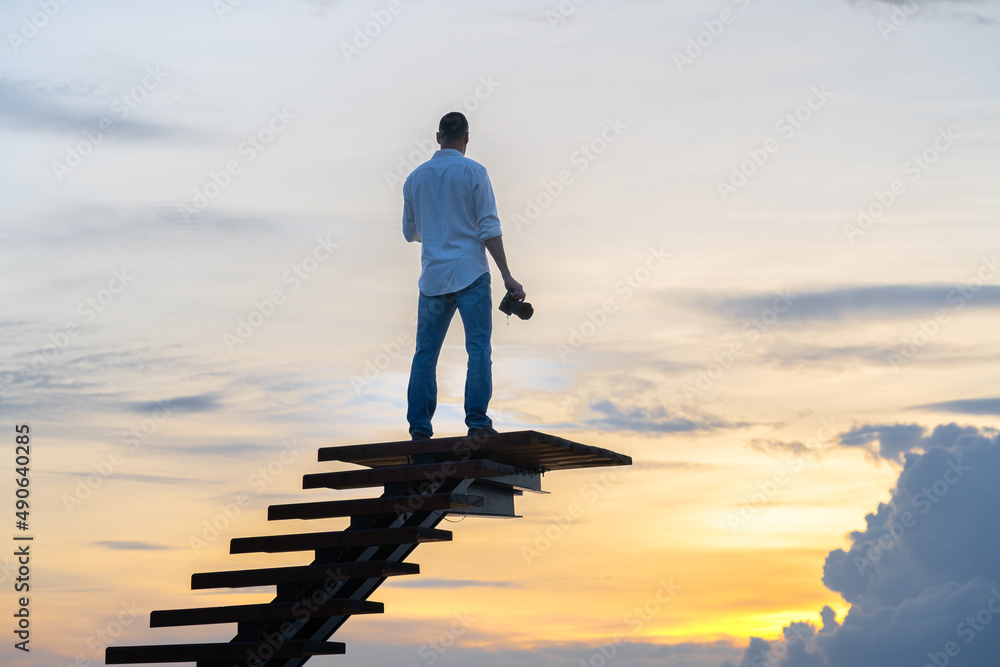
434,313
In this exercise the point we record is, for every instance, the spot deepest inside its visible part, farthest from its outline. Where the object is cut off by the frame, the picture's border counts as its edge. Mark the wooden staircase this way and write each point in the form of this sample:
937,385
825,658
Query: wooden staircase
423,481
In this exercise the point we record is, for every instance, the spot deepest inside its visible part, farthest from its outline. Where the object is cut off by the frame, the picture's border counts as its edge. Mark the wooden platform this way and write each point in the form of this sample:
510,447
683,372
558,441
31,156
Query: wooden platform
301,574
359,479
274,611
525,449
233,651
336,539
329,509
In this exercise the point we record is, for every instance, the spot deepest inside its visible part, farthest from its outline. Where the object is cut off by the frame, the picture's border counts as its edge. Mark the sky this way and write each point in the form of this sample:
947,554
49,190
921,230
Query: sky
760,240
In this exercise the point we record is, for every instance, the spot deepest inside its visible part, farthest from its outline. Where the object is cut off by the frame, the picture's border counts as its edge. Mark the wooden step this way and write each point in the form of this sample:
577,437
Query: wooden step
236,651
356,479
375,569
274,611
395,505
337,539
527,449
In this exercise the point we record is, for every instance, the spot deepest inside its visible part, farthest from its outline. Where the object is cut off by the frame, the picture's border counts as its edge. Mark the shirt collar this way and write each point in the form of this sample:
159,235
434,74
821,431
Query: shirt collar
443,152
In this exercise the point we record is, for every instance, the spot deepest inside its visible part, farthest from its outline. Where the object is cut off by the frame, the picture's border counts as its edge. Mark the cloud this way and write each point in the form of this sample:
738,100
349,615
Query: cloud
125,545
180,404
195,482
789,351
892,442
57,382
853,303
922,578
914,7
889,442
910,3
779,449
650,420
43,106
72,227
969,406
795,352
229,450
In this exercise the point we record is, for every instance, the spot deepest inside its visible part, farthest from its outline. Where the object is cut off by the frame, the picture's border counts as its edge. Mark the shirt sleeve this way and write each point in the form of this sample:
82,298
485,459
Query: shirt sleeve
410,232
486,207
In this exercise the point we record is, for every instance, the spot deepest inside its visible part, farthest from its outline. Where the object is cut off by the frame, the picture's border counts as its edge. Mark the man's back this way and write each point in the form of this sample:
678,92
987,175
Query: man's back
450,208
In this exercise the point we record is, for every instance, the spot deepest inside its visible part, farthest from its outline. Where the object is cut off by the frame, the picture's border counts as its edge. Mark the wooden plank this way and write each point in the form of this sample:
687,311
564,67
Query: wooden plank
274,611
236,651
357,479
337,539
306,574
399,451
385,505
527,449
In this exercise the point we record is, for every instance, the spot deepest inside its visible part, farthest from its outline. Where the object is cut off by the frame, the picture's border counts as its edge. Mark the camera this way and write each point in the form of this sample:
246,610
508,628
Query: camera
511,306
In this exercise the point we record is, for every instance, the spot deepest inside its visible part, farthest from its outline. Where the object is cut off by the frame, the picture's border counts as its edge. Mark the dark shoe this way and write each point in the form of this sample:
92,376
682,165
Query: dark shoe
482,432
419,436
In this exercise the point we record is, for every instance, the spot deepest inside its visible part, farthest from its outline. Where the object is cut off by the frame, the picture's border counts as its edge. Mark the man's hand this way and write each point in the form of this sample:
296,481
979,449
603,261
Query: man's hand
514,288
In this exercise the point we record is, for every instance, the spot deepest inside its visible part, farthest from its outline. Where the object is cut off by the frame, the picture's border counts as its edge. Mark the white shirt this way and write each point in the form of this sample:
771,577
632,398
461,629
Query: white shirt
449,207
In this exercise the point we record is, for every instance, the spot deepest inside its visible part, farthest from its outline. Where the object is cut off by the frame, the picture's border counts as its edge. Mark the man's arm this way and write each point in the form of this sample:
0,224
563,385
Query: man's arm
495,246
489,227
410,232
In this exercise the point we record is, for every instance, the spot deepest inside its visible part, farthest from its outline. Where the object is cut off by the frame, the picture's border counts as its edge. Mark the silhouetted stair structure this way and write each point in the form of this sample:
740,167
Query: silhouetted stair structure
423,481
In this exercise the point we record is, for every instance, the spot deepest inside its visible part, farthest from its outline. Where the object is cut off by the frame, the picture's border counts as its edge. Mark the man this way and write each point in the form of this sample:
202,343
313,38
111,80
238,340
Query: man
449,208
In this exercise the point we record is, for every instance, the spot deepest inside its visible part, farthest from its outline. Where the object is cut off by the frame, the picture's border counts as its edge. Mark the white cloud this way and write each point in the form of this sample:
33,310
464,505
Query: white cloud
922,578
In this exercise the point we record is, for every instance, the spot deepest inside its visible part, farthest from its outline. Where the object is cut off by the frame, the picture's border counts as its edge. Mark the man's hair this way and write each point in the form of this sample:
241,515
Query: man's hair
453,126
